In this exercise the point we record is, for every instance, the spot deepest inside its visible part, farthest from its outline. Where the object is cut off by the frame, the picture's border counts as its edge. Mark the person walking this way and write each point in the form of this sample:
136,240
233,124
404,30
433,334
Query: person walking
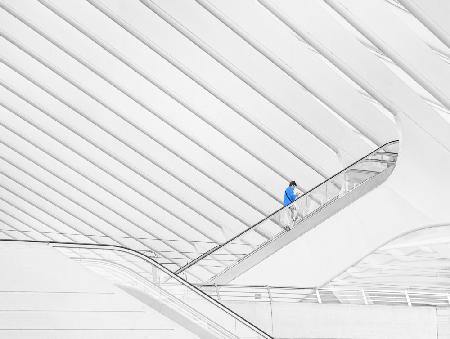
290,195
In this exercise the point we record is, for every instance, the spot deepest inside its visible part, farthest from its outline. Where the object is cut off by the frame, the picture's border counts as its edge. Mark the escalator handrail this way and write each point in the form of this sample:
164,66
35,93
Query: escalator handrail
153,262
219,246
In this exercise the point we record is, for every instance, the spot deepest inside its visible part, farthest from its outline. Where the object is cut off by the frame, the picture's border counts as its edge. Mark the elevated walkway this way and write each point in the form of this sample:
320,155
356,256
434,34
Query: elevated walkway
412,198
289,312
385,295
247,249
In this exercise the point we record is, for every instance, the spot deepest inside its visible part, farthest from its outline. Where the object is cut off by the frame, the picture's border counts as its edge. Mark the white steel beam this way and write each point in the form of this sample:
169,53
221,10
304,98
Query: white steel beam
434,14
376,20
313,22
259,74
296,58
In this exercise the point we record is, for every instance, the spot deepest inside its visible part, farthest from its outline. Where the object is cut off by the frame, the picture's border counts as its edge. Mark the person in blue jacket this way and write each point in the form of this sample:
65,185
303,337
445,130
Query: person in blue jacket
290,195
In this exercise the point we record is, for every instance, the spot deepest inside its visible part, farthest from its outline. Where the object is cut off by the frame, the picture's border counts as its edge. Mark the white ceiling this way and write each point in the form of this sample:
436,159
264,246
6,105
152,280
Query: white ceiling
169,125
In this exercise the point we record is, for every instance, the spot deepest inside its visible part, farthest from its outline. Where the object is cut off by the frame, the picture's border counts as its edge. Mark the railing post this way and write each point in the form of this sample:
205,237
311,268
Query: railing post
155,276
306,208
346,182
364,296
217,292
270,304
319,299
269,294
407,298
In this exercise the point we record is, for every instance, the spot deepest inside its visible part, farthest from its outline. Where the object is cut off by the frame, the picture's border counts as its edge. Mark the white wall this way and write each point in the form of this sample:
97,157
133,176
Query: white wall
46,295
295,320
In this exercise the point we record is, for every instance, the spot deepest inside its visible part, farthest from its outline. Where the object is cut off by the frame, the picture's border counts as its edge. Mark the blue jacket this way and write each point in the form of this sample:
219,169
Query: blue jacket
289,195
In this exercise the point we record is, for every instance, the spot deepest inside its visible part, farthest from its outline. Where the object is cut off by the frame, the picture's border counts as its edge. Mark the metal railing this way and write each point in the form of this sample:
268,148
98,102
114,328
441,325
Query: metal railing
131,268
170,258
223,256
367,295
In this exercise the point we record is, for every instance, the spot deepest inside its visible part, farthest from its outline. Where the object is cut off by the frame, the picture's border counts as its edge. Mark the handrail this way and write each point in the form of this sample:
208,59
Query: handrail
365,295
150,260
219,246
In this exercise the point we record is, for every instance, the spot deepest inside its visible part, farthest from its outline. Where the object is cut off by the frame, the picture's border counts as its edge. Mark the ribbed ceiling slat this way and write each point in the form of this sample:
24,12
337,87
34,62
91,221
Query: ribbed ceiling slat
258,73
222,84
170,126
423,65
433,14
186,181
262,30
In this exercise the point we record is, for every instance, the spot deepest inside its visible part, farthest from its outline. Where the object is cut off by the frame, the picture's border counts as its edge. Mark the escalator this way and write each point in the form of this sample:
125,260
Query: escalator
157,287
173,293
248,248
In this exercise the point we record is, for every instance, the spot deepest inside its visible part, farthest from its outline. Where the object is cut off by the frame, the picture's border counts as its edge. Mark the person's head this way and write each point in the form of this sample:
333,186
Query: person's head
293,183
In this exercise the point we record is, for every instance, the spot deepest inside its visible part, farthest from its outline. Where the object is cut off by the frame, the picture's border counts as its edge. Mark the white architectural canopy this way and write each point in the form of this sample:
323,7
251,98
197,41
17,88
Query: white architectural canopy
170,125
417,260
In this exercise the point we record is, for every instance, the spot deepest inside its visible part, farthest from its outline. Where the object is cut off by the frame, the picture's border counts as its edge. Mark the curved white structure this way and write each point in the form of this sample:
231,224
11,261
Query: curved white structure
169,126
407,201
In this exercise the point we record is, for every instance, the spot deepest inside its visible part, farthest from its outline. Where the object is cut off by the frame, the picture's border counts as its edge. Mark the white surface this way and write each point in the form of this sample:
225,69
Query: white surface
175,126
413,197
433,14
45,295
295,320
417,260
164,123
380,24
408,200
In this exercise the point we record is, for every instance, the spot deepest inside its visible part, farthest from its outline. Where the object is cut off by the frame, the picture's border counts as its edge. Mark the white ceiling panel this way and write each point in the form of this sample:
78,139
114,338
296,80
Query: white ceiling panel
168,126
